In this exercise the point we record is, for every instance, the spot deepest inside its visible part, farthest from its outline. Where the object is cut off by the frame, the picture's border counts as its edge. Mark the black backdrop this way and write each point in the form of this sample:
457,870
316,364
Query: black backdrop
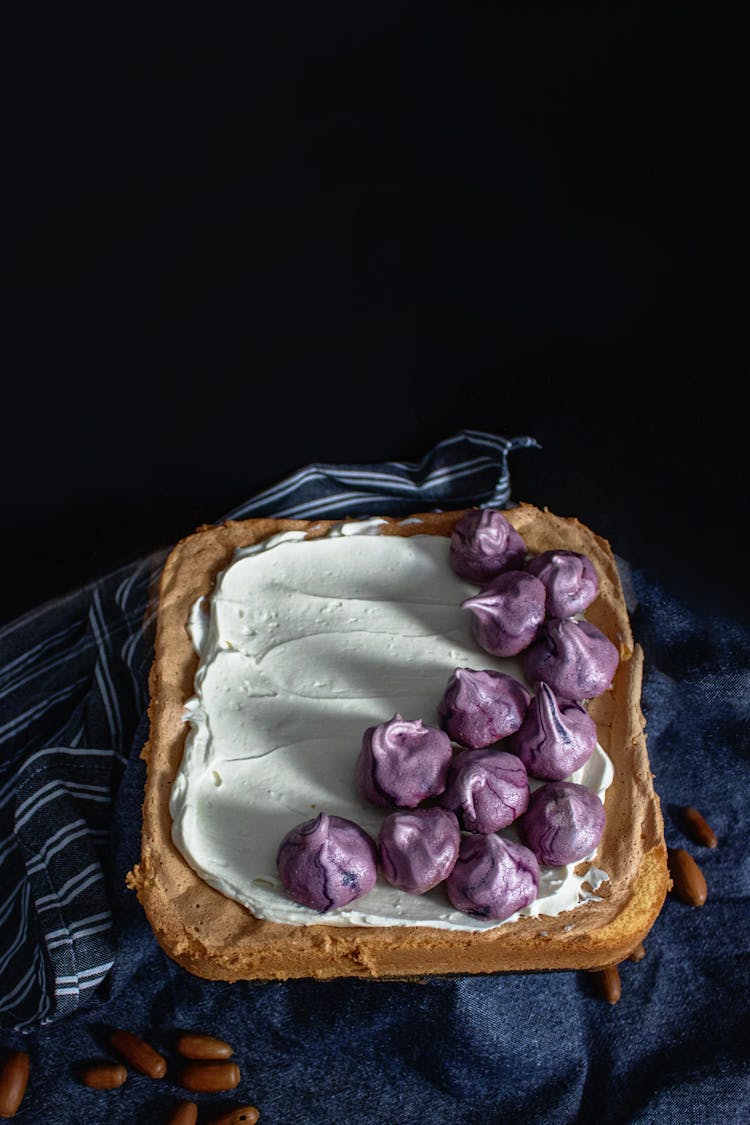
235,245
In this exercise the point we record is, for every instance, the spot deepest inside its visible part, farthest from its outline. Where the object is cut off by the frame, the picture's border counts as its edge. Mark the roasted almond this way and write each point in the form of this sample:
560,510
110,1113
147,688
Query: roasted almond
243,1115
138,1053
689,884
209,1077
104,1076
638,953
14,1077
698,828
609,983
183,1113
203,1047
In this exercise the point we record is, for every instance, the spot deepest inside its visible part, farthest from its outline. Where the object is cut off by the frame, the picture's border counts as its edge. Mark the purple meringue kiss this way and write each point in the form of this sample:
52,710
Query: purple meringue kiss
418,848
556,737
507,612
484,544
570,579
487,789
478,708
327,862
402,762
574,657
493,877
563,823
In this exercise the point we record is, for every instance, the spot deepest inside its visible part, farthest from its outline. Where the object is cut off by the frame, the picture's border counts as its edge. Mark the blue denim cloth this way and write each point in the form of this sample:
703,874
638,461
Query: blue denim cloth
539,1048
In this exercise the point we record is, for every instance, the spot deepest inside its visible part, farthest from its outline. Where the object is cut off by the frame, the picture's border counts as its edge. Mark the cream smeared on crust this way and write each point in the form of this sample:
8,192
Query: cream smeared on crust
305,645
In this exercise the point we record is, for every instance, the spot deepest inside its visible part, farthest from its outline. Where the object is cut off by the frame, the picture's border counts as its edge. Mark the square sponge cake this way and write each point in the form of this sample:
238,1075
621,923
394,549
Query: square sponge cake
278,643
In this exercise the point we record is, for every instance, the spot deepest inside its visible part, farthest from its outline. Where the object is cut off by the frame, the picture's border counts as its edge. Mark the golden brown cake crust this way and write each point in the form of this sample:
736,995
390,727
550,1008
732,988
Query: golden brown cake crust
217,938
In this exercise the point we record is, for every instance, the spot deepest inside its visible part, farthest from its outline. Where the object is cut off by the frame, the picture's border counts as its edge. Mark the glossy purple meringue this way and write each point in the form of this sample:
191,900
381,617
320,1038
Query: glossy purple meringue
418,848
492,877
402,762
327,862
574,657
570,579
480,707
556,737
487,789
563,823
484,544
507,612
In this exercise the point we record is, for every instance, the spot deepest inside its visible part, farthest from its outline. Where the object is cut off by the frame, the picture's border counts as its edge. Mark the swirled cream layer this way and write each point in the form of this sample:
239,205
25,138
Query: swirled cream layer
303,645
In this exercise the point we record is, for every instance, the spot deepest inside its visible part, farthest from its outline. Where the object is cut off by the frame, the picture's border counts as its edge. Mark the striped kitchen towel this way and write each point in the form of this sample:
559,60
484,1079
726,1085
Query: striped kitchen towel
73,696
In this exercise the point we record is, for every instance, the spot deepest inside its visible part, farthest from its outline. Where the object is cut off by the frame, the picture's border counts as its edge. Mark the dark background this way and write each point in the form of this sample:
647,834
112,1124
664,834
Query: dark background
233,245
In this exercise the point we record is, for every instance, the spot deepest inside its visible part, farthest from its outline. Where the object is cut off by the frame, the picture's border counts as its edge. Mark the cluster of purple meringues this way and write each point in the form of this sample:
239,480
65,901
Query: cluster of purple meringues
451,789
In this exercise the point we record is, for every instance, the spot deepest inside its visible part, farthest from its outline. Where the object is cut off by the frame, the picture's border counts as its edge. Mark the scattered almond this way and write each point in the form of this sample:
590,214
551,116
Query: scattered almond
689,884
243,1115
609,983
638,953
183,1113
203,1047
104,1076
14,1077
698,828
138,1053
209,1077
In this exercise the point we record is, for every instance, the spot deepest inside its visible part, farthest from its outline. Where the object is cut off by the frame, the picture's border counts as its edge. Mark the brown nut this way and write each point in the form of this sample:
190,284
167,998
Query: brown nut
183,1113
689,884
194,1046
209,1077
104,1076
609,983
14,1077
638,953
243,1115
698,828
138,1053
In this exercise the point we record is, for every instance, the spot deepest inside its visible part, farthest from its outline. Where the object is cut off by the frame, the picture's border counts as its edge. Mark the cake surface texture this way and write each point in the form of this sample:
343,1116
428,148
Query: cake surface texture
259,699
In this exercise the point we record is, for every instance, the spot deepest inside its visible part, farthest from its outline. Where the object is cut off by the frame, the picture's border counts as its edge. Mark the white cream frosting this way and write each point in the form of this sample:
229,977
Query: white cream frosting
302,646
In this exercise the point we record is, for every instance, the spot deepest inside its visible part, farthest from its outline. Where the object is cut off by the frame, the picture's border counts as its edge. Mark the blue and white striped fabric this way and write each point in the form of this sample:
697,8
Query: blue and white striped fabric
73,696
470,468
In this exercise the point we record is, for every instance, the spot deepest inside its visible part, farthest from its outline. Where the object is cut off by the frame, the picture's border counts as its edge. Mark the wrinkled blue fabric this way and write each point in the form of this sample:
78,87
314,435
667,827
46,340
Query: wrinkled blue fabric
538,1048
